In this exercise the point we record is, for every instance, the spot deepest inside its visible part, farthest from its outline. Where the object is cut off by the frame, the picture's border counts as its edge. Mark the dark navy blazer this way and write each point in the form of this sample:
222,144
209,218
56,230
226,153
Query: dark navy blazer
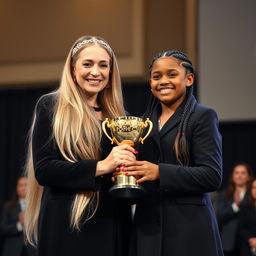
176,216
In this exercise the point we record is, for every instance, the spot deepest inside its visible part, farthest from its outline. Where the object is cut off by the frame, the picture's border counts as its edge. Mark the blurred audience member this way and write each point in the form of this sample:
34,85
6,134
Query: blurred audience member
231,201
11,223
247,227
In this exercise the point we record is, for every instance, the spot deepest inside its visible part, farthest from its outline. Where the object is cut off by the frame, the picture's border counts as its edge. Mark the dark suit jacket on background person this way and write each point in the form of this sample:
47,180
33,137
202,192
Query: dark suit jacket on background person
105,232
176,216
13,239
1,232
1,237
228,220
247,228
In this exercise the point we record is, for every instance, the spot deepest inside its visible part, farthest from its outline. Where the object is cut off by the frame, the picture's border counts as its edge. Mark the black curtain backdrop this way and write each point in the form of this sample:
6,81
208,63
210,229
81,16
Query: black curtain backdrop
16,109
239,144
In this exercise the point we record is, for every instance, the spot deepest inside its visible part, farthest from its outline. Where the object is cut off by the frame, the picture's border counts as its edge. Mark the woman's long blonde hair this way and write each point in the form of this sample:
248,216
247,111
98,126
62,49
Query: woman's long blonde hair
77,133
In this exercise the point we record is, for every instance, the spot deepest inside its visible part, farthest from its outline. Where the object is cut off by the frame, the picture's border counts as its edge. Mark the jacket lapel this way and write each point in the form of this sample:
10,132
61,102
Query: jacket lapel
155,133
172,122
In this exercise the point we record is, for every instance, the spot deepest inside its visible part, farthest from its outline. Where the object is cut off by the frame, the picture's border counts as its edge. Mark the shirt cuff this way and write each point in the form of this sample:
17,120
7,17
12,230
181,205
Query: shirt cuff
19,226
235,207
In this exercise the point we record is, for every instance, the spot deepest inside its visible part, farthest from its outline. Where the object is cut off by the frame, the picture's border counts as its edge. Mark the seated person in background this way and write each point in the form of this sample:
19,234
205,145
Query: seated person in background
12,220
247,227
231,201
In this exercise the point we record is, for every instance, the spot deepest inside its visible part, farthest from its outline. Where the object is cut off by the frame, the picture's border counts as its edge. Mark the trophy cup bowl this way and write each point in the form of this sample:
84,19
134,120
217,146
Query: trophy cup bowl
126,130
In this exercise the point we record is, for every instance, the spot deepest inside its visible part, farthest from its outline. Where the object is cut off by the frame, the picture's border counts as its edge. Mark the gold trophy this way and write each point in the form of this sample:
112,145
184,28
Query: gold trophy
126,130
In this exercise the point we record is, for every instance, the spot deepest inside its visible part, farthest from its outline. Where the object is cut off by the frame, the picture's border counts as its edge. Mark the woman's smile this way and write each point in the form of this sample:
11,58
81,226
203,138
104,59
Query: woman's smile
93,82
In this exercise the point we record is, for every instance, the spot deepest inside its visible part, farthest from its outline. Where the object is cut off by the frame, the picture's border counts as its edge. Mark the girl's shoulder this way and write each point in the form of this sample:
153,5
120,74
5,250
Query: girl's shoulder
203,112
200,109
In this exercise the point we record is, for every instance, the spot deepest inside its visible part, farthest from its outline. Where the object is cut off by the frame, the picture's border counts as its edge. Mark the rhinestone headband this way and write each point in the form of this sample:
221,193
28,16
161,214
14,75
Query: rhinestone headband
88,41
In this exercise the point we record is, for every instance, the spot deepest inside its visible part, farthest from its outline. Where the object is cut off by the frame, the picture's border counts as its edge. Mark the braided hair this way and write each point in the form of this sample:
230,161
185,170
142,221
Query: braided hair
180,144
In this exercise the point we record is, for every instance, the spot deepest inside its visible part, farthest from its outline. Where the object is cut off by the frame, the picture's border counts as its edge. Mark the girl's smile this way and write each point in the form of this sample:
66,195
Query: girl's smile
169,81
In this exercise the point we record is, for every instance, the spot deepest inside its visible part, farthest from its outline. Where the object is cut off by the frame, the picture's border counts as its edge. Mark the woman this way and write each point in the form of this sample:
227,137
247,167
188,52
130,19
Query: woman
231,201
70,163
247,227
182,161
12,222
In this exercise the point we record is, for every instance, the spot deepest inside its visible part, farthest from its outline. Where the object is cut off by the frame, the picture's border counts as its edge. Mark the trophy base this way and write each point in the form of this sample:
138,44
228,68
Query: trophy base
127,191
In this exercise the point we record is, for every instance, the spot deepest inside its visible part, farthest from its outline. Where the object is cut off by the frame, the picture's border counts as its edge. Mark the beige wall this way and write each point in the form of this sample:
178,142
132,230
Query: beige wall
36,37
44,31
227,58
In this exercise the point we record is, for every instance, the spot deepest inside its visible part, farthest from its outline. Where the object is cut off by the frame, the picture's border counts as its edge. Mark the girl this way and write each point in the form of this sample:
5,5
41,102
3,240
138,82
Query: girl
12,221
70,164
248,225
182,161
235,197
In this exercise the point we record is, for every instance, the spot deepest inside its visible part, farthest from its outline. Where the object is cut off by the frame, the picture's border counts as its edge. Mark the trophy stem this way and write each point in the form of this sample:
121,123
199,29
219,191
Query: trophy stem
126,187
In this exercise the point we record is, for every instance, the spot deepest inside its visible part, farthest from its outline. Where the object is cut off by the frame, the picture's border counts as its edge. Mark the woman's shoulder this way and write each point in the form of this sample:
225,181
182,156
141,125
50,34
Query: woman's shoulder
47,100
45,106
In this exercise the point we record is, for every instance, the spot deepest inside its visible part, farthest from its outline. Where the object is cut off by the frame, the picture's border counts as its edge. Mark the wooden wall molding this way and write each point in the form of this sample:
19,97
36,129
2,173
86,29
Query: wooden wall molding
131,64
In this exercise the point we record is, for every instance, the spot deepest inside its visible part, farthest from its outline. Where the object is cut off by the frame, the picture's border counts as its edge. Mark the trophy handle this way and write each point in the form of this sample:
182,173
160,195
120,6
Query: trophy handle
106,122
147,122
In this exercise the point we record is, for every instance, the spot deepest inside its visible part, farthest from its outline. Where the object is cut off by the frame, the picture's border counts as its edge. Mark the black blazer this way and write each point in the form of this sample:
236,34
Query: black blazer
107,231
228,221
13,239
247,229
176,215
